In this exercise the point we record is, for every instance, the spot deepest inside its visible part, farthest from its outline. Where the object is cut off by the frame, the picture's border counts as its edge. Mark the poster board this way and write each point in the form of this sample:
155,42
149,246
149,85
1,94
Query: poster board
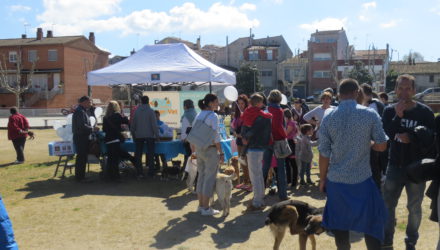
170,104
60,148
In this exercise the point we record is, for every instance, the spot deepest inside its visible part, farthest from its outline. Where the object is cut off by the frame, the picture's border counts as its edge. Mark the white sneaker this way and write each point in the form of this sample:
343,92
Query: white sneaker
199,209
209,212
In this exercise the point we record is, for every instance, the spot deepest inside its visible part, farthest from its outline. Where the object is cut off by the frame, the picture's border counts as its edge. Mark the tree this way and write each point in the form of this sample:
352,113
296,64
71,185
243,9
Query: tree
391,80
248,80
17,84
360,73
413,57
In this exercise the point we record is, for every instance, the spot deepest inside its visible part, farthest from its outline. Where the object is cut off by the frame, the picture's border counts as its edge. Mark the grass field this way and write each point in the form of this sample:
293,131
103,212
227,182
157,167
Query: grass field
55,213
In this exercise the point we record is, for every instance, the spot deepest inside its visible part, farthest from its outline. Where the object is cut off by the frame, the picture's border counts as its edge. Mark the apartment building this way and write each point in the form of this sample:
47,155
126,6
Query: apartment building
292,72
61,66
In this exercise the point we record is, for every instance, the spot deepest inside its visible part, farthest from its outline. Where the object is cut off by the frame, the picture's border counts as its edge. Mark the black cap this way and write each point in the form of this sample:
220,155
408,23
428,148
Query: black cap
83,99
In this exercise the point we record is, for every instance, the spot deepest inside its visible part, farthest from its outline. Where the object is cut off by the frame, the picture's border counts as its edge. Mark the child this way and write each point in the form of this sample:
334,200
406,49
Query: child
291,132
305,153
256,132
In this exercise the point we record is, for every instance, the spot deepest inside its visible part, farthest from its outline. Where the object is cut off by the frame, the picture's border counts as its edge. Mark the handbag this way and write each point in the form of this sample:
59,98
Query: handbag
423,170
201,134
281,148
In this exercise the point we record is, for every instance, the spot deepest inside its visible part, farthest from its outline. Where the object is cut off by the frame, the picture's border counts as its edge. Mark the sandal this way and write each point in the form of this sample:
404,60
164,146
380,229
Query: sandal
239,186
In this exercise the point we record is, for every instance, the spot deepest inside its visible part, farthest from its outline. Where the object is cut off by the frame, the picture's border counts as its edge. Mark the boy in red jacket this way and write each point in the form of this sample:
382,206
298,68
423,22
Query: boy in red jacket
17,132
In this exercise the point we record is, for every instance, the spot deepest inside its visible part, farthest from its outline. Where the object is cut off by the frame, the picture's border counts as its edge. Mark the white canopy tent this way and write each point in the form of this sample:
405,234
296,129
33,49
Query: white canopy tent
162,64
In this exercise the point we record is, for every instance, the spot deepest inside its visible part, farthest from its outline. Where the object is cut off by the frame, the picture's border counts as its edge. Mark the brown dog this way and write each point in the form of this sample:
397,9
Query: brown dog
299,217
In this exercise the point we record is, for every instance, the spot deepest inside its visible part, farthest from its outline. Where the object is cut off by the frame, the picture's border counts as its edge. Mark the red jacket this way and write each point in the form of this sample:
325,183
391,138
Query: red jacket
278,132
17,126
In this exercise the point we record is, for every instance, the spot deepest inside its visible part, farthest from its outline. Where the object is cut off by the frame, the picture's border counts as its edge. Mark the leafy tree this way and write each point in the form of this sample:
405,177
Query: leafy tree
413,57
248,79
360,73
391,80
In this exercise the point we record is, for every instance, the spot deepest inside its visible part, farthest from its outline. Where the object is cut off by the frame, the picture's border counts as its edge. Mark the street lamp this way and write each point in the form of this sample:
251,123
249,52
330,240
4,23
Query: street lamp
255,70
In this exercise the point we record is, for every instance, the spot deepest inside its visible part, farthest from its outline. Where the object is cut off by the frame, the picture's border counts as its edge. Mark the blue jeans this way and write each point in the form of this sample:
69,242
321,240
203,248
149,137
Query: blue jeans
150,144
305,169
395,181
281,172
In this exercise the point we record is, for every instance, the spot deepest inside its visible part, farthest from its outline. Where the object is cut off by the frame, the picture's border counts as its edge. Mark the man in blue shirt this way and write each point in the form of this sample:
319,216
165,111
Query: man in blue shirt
353,200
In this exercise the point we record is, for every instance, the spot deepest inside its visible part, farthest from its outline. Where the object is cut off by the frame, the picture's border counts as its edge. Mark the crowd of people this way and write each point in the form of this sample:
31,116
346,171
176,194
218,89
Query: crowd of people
365,145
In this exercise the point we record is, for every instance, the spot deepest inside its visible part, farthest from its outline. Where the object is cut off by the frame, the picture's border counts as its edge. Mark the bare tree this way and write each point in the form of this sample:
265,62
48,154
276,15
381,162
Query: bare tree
15,84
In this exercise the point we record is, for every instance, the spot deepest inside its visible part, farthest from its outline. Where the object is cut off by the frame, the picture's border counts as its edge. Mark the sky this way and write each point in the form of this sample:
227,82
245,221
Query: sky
123,25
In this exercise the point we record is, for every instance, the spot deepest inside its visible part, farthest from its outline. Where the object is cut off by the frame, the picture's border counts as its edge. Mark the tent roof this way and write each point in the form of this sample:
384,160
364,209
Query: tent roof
161,63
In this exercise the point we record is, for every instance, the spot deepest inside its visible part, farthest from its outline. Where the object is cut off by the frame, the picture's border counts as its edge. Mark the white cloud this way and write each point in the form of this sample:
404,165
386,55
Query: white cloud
325,24
389,24
436,9
369,5
102,16
363,18
275,1
19,8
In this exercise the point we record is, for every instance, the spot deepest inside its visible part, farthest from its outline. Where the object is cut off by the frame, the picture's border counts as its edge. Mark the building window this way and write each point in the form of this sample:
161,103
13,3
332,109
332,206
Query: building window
269,53
322,56
32,55
13,56
431,78
298,72
266,73
253,55
331,40
287,74
52,55
321,74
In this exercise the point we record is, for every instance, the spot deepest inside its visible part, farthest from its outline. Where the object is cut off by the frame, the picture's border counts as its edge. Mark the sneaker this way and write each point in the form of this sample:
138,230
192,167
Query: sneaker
251,208
18,162
199,209
239,186
209,212
248,188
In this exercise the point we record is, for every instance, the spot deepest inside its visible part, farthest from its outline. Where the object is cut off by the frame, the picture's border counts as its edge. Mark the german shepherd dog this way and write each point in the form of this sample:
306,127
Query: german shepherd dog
300,217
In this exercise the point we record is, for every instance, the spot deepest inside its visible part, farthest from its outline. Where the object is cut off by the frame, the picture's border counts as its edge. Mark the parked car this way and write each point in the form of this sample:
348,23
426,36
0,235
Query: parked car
392,96
430,94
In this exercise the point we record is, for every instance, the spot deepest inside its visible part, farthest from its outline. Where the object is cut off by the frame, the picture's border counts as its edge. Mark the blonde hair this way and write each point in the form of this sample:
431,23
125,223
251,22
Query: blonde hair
112,107
275,96
326,94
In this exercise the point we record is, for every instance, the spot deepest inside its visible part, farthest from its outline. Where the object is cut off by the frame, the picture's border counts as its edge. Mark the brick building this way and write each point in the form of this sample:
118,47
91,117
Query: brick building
325,48
61,66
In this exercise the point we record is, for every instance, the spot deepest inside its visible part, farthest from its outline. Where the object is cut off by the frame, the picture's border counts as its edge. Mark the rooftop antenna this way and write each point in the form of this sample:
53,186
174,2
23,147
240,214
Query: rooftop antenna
25,29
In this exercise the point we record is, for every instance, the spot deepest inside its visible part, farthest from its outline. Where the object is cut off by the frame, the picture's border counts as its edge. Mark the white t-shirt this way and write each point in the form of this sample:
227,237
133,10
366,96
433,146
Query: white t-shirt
317,113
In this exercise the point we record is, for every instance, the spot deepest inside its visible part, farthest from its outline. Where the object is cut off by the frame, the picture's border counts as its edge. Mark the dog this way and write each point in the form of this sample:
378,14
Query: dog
234,164
223,189
300,217
175,171
31,135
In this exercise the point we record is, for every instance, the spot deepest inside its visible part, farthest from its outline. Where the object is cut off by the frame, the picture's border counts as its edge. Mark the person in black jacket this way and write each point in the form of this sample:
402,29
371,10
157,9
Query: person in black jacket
399,121
112,126
81,129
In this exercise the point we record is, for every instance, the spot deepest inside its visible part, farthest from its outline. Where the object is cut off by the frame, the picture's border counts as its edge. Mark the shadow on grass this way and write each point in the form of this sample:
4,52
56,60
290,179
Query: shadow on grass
191,225
150,187
44,164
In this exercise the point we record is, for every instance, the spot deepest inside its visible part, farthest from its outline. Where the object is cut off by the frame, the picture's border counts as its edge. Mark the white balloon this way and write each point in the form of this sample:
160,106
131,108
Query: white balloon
60,132
231,93
98,112
92,121
283,99
69,118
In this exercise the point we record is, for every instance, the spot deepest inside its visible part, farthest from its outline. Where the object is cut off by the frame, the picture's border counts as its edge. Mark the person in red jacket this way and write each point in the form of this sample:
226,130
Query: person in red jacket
278,133
17,132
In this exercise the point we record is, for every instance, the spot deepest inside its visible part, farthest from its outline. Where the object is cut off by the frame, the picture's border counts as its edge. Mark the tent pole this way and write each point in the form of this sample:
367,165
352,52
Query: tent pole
210,88
129,90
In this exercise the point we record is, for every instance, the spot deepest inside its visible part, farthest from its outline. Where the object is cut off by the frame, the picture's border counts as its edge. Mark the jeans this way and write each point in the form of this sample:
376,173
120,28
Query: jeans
254,159
113,160
82,144
342,240
19,147
395,181
150,142
281,172
305,169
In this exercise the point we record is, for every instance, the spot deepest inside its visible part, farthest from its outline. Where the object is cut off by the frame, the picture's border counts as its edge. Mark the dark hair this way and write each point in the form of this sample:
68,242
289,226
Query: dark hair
145,99
188,103
383,95
157,112
368,90
288,114
406,77
256,98
203,103
298,100
83,99
348,86
13,110
306,128
237,111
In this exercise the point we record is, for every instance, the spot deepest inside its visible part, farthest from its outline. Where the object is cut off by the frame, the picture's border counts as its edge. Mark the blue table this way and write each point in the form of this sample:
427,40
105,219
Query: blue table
169,148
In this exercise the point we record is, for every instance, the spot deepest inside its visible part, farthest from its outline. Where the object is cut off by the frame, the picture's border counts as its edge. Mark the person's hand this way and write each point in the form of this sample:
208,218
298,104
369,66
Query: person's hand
95,129
221,158
399,108
245,142
403,138
193,156
322,186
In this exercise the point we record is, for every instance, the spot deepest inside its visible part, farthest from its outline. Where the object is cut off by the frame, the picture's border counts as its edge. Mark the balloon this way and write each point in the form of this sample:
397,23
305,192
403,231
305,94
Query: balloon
69,119
92,121
283,99
231,93
98,112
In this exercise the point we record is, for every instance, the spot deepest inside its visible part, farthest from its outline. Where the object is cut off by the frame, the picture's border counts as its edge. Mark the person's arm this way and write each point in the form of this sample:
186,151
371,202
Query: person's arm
391,122
309,115
13,125
289,129
378,135
25,123
154,125
183,128
379,147
323,169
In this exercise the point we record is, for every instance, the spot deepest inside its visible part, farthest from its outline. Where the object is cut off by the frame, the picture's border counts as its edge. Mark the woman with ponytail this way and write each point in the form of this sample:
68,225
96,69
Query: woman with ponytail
208,159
